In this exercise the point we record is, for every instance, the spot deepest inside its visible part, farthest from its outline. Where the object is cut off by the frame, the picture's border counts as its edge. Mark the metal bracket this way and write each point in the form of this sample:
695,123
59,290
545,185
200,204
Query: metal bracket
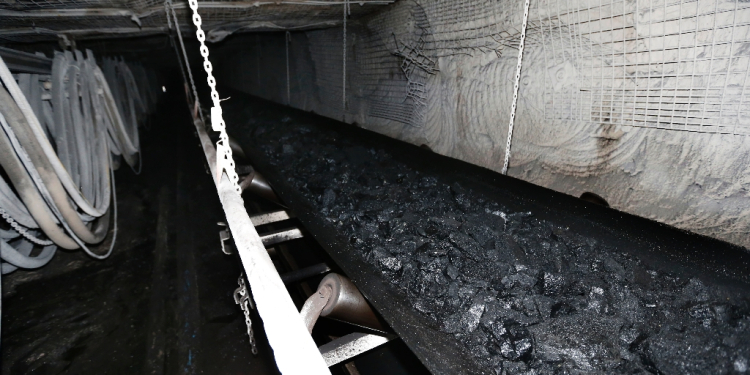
225,235
274,238
351,345
270,217
24,62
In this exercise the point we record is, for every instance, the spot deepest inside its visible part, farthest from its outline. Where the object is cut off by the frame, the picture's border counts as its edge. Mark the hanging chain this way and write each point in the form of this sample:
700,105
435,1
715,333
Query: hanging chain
515,87
224,160
242,298
22,231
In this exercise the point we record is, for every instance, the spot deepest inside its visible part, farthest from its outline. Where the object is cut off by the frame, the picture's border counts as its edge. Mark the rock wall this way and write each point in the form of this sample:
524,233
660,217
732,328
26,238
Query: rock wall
616,98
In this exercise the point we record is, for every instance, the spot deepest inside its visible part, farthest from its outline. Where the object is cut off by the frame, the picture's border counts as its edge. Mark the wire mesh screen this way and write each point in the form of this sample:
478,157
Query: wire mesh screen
77,4
394,66
326,51
44,20
666,64
679,65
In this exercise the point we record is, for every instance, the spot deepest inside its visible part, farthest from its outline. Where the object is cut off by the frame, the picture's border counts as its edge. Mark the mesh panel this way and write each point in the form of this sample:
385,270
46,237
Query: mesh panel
78,4
666,64
326,52
43,20
393,64
670,65
679,65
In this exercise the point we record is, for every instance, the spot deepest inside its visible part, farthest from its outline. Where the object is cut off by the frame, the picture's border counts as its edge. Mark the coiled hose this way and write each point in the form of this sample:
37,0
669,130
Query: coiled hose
57,155
56,147
120,99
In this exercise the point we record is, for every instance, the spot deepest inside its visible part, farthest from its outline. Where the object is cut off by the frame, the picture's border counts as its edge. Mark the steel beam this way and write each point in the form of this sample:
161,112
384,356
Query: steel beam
270,217
350,346
293,347
273,238
24,62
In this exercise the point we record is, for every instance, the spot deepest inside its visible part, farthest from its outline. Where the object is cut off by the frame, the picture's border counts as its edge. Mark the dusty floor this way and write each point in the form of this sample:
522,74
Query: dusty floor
162,303
521,289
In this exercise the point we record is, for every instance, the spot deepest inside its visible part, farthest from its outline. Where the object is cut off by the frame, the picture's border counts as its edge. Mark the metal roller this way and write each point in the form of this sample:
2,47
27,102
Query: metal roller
338,298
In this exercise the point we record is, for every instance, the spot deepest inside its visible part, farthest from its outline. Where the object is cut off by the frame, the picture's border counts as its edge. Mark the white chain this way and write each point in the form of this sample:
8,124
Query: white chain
22,231
515,86
224,160
242,298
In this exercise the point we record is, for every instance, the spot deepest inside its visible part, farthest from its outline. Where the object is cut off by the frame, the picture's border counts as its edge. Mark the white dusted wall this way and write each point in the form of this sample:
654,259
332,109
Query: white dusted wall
642,102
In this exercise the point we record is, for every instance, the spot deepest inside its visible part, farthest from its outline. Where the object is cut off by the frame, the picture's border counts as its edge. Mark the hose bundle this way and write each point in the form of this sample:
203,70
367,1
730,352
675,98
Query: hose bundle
59,136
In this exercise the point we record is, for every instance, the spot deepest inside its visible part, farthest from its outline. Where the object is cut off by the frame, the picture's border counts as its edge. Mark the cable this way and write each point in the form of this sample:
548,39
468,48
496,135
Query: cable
119,99
28,145
184,54
37,206
38,181
24,248
64,176
14,206
515,87
53,186
14,257
22,231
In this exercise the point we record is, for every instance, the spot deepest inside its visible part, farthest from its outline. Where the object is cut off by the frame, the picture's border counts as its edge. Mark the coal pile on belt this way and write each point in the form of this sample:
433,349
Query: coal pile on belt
523,295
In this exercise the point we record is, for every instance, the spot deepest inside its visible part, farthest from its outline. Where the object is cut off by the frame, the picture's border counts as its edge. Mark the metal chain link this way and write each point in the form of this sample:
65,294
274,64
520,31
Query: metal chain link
224,160
242,298
515,87
22,231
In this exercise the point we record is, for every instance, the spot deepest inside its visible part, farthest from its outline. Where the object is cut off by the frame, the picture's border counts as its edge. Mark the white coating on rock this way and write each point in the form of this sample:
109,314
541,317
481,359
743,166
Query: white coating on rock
696,180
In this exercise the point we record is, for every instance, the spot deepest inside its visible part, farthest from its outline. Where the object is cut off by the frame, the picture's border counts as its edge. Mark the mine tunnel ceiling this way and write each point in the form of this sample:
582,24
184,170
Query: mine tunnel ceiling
33,21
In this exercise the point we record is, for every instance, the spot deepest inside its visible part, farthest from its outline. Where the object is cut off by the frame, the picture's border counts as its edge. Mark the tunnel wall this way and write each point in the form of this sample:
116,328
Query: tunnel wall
609,101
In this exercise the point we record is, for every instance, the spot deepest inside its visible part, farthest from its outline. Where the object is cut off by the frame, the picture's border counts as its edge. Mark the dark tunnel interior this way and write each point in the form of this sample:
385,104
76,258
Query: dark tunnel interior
448,266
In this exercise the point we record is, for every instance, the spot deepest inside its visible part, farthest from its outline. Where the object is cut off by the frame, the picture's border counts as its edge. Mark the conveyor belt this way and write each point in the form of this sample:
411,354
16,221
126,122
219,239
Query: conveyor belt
479,272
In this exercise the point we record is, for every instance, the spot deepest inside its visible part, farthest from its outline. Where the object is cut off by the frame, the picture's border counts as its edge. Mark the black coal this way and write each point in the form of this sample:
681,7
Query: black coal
521,294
